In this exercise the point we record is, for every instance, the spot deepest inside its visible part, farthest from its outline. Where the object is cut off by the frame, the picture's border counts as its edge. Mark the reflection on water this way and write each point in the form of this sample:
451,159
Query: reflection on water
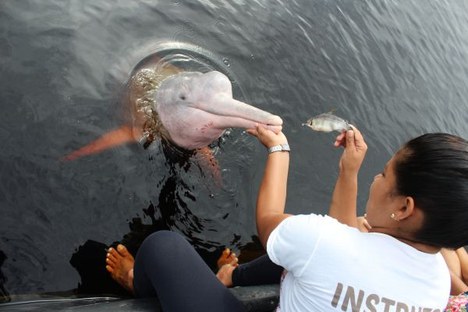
394,69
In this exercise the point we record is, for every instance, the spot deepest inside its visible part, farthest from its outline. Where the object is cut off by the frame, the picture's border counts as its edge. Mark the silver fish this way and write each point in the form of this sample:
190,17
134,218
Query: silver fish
327,122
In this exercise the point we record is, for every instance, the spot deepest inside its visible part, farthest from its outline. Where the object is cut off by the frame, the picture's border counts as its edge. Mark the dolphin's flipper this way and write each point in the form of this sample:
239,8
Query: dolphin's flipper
111,139
209,164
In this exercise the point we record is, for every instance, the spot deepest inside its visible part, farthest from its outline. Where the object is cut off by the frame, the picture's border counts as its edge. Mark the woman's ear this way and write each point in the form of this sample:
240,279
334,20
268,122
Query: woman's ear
407,209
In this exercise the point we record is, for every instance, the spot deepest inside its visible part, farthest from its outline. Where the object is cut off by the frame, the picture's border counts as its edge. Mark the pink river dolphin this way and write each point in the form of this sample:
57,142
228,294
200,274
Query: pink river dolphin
189,109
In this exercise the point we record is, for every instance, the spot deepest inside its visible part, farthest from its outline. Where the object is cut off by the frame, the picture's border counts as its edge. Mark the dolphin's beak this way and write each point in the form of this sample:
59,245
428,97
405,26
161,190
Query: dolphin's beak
232,113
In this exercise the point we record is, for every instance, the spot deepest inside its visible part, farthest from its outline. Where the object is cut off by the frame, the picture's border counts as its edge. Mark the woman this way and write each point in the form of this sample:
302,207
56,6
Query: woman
415,207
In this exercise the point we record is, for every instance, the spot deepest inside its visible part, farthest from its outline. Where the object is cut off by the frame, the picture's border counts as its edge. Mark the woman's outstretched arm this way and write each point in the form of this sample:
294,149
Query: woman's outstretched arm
271,199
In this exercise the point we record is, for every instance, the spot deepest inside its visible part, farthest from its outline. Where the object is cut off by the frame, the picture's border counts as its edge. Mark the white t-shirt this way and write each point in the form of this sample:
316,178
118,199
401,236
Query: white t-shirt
334,267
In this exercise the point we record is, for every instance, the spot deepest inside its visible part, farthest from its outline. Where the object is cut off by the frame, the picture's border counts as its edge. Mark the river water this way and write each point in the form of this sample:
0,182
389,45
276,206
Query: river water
395,69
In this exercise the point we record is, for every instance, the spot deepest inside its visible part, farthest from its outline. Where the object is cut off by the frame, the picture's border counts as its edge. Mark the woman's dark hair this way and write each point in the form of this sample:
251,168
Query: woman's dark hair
433,169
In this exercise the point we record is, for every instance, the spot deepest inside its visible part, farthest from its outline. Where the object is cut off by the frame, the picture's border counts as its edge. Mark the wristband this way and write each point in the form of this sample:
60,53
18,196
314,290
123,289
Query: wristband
279,148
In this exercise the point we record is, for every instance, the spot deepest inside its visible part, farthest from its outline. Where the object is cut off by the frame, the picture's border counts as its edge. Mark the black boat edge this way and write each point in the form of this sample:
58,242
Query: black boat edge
262,298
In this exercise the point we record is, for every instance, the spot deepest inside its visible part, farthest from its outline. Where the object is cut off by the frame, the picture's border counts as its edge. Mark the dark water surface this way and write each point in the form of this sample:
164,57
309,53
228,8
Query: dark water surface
395,69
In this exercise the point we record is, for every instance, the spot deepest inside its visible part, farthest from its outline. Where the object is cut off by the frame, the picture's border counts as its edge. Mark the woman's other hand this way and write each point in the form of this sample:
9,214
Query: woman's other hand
363,225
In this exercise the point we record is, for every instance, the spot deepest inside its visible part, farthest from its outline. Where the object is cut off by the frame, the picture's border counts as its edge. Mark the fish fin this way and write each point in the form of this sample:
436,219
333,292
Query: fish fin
117,137
332,111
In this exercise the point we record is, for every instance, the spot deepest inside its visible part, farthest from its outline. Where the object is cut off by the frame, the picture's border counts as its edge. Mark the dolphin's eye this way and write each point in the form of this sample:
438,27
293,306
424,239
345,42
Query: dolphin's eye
182,97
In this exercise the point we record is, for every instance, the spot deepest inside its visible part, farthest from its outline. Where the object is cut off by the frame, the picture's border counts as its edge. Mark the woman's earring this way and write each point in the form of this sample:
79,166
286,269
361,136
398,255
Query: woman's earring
393,217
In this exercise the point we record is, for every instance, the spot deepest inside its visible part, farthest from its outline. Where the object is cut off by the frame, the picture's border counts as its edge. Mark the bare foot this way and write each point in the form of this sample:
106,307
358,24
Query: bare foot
227,257
225,274
119,263
227,262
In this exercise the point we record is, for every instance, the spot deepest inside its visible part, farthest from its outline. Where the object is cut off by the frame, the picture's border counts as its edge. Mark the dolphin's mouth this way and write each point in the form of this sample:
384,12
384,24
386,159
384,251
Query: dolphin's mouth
249,117
233,113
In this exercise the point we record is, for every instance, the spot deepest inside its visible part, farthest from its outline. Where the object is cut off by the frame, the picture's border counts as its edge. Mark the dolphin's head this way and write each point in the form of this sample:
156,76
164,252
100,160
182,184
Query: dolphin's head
195,109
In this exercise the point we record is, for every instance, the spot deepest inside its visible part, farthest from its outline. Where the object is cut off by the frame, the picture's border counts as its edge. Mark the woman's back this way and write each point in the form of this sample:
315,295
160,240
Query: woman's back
335,267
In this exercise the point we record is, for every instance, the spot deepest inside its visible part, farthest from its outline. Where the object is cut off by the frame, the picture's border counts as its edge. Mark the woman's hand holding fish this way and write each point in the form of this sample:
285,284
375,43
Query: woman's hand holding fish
344,199
354,150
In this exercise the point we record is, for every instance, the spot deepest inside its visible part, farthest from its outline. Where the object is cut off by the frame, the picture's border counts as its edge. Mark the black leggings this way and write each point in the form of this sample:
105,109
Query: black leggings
169,268
260,271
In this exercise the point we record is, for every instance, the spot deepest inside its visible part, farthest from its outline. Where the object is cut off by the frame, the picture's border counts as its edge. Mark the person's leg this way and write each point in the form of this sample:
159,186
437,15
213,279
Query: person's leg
260,271
168,267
